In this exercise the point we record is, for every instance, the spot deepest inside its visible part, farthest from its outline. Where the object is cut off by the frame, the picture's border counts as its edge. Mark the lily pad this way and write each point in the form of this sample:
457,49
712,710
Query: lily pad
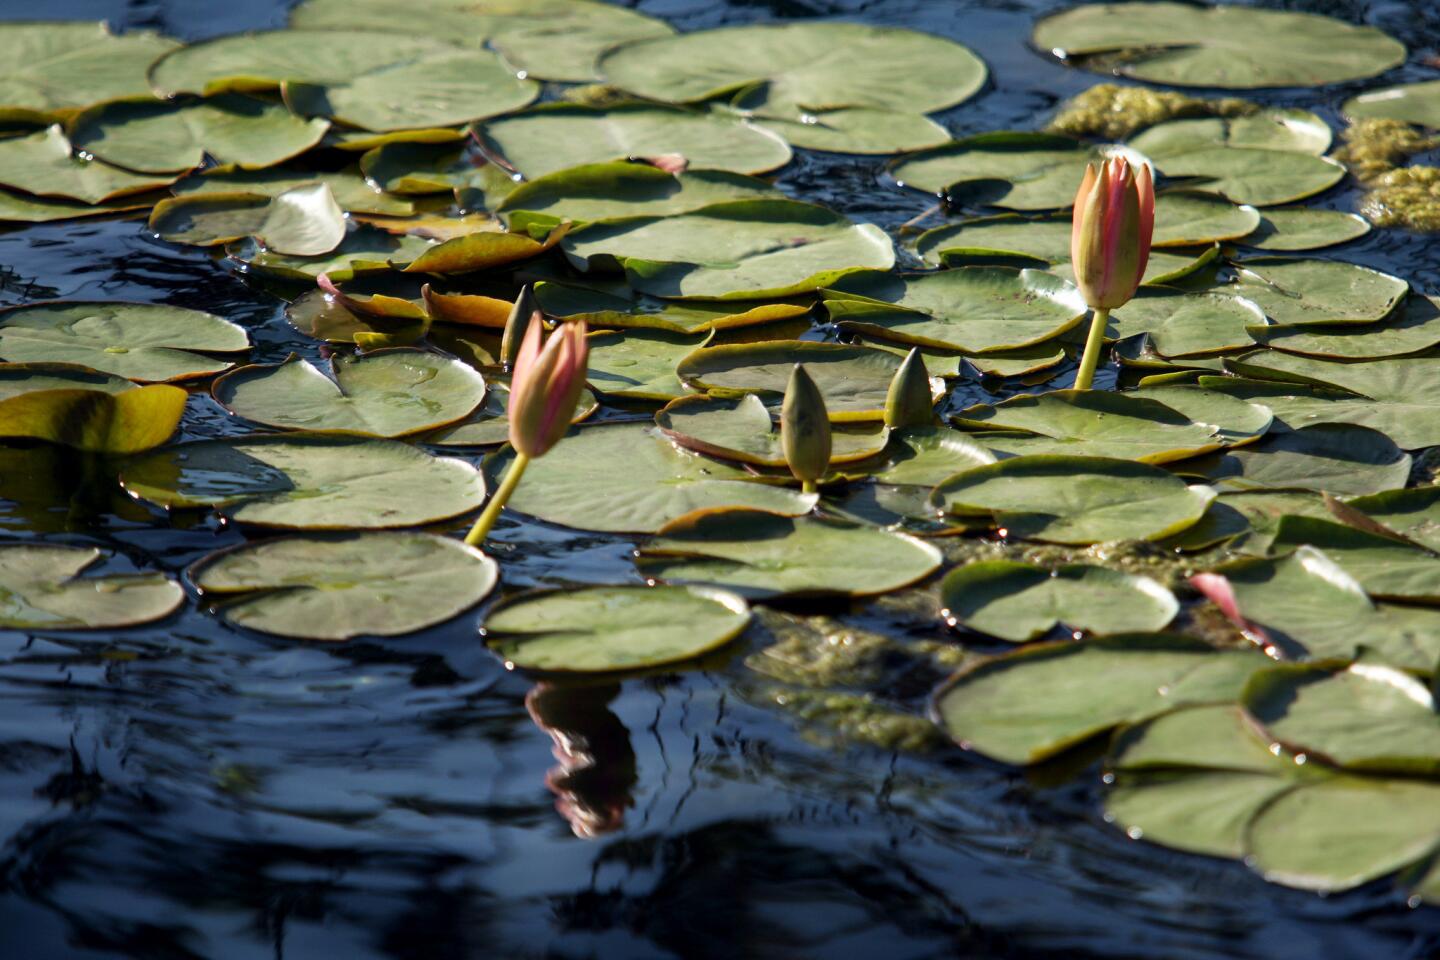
1262,178
366,584
747,249
1029,705
1285,229
1409,103
854,380
390,393
801,67
742,428
974,309
171,137
1334,457
547,39
1411,329
308,482
138,341
1018,171
1299,131
23,208
40,82
43,164
601,629
605,310
1233,47
639,364
1414,514
609,191
1294,290
925,456
1077,500
77,407
556,136
305,221
41,588
1184,323
490,426
761,555
352,192
368,79
1020,602
862,130
626,478
1385,567
366,249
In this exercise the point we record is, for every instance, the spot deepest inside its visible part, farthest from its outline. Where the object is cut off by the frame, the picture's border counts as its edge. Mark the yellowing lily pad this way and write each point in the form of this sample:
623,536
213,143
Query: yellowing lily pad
77,407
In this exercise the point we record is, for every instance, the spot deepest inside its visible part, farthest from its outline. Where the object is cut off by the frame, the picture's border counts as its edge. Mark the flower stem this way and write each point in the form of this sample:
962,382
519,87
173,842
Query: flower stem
1094,345
809,486
513,473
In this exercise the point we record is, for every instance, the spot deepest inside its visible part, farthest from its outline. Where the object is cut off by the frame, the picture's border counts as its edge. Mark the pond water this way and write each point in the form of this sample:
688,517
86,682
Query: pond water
189,790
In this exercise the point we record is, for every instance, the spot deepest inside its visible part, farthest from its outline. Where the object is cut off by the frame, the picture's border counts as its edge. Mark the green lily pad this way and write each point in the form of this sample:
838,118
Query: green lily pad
556,136
43,164
602,629
1299,131
406,167
1017,171
547,39
1300,405
490,426
1414,514
1233,47
41,588
760,555
368,79
853,380
385,394
366,249
479,250
40,82
605,310
1262,178
77,407
626,478
138,341
639,364
1334,457
1029,705
1409,103
974,309
1020,602
1078,500
308,482
23,208
352,192
171,137
609,191
1236,420
1184,323
800,67
1411,329
747,249
862,130
367,584
1285,229
1366,717
1293,290
924,456
1386,568
741,428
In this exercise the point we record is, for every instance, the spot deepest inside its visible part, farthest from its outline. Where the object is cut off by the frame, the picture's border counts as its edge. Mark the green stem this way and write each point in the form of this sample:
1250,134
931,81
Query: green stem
1094,346
513,473
809,486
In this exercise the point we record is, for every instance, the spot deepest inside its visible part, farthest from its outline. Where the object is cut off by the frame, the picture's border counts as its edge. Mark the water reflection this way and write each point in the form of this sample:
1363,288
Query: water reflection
595,779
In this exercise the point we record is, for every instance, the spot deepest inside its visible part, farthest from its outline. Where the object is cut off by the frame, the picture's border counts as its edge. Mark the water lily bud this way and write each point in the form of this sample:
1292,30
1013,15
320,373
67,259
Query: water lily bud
516,326
1111,228
908,402
805,428
545,385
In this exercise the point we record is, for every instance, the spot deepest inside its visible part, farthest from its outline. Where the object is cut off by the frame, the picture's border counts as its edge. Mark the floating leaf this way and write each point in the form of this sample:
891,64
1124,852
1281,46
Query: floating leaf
77,407
480,250
1021,602
138,341
975,309
1018,171
308,482
386,394
1262,178
1234,47
1078,500
761,555
366,584
364,250
491,425
41,588
639,364
1409,103
1383,566
609,310
41,82
1293,290
1414,327
625,478
1029,705
741,428
862,130
1299,131
1305,228
1189,323
353,193
924,456
173,136
23,208
609,191
1339,458
556,136
44,165
1414,514
741,249
613,628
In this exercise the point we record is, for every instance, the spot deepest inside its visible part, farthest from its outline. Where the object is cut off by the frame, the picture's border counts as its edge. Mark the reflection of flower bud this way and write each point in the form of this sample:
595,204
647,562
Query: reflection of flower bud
805,428
545,385
908,402
1111,228
516,326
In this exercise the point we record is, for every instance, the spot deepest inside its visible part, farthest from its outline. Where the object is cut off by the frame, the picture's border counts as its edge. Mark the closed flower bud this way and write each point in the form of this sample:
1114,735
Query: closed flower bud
805,428
545,385
1111,228
908,402
516,326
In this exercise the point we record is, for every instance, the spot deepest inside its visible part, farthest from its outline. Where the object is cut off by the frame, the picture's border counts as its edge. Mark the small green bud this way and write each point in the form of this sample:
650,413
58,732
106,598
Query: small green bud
515,326
805,428
908,402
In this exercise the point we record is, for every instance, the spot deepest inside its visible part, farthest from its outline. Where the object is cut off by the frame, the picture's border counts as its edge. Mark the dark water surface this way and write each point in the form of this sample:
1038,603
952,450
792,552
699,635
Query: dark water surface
192,791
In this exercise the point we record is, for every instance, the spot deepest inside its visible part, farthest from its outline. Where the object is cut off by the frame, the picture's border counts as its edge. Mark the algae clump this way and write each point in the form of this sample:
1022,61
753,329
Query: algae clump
1115,112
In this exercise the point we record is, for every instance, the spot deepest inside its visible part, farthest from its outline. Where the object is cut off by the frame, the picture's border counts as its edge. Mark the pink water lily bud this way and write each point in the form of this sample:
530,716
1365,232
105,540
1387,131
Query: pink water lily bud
1110,232
545,385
